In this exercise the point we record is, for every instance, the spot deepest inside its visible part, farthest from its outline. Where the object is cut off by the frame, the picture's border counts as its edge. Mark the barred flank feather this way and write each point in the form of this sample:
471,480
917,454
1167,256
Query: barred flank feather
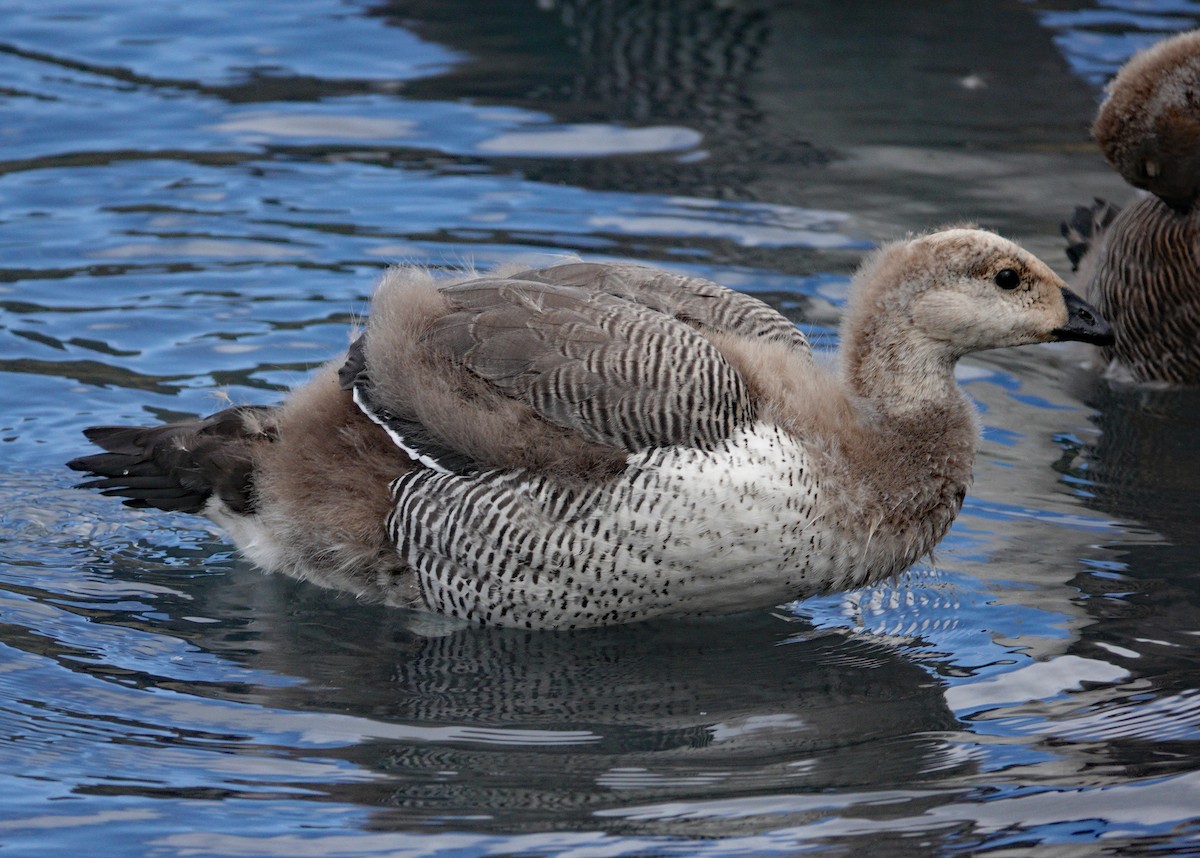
1147,283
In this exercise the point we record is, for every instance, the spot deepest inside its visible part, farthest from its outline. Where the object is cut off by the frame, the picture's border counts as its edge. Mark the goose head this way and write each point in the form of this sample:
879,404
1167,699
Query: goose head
1149,127
920,305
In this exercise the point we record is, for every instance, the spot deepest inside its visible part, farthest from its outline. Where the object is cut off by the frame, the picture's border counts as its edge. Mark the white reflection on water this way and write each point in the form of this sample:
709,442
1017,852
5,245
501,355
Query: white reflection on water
1034,681
260,127
591,140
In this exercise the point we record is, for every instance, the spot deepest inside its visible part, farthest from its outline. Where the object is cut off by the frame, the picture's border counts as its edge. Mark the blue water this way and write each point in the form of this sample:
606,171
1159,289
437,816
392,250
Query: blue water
195,202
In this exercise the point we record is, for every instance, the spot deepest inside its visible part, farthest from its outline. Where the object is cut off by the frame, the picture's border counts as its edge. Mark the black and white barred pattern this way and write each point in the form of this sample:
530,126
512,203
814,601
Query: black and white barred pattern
617,371
682,532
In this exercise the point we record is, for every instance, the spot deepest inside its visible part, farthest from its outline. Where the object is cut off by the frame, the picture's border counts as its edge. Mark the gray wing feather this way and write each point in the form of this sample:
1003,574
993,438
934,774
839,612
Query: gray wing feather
693,300
606,365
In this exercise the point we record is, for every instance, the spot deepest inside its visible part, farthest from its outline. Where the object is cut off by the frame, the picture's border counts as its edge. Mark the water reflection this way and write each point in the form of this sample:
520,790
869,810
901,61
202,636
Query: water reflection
906,128
1145,601
231,684
639,62
1144,462
537,725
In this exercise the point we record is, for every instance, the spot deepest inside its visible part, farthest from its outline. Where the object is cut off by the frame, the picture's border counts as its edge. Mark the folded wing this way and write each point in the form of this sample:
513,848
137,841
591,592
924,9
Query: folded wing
616,356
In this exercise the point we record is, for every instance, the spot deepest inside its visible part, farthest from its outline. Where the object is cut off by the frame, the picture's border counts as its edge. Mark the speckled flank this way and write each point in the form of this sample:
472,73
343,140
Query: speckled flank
682,531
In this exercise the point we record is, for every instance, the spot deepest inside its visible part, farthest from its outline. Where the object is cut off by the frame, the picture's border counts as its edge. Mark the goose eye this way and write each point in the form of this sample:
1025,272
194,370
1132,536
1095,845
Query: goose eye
1007,278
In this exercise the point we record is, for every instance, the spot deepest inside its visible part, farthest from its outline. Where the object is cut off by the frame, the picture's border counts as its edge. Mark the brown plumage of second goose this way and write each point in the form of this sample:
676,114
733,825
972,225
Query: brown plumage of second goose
591,444
1140,265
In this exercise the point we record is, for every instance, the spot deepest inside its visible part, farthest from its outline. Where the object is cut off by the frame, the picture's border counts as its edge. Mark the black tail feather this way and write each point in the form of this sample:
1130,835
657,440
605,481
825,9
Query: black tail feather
1086,226
177,467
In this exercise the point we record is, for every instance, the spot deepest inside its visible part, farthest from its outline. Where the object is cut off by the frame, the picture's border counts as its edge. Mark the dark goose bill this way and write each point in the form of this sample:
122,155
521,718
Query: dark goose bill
1084,323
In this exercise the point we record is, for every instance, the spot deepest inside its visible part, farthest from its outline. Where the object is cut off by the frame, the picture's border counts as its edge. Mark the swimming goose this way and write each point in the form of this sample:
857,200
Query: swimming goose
1141,265
591,444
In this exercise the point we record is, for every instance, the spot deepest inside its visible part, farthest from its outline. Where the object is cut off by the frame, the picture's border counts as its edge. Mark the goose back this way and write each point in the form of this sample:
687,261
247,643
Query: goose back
693,300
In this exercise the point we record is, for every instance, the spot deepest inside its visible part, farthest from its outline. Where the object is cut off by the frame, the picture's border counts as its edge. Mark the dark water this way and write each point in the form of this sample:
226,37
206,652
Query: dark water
195,201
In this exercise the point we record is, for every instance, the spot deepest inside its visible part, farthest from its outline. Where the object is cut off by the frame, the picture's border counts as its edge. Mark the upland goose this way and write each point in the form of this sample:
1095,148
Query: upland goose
1141,266
592,444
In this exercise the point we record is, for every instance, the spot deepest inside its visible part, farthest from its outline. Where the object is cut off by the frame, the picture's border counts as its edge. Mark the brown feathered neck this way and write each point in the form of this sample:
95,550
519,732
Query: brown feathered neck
885,359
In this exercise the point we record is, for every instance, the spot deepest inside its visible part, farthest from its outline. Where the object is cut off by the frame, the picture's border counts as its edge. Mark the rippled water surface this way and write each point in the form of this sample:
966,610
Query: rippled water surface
195,201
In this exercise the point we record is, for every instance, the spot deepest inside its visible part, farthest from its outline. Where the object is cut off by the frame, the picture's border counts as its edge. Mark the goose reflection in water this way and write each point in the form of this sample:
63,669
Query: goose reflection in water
512,727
